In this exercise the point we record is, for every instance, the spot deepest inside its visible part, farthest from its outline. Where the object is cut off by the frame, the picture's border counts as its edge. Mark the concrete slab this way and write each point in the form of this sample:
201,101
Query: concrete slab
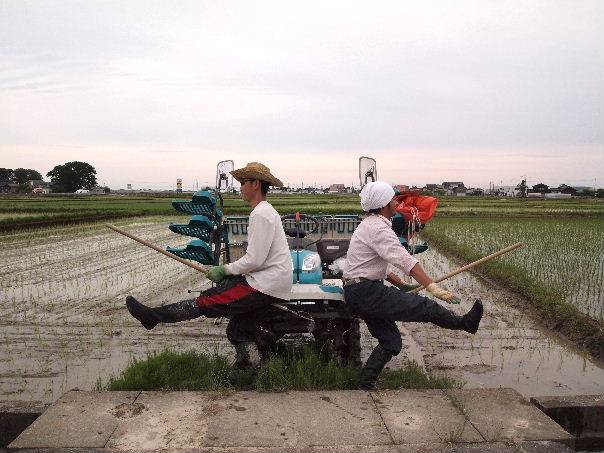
505,415
296,419
162,420
77,419
416,416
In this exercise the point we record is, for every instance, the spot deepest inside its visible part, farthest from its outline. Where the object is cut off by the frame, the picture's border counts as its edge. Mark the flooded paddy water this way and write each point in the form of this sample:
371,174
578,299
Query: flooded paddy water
64,325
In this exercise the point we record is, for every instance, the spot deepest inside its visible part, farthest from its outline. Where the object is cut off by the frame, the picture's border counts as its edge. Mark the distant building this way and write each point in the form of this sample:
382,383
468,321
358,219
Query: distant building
433,189
39,186
9,187
557,195
475,192
505,191
454,187
337,188
401,188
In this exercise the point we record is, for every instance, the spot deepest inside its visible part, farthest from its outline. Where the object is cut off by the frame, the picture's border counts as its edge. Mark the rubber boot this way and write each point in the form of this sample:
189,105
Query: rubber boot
150,317
472,318
447,319
373,367
247,356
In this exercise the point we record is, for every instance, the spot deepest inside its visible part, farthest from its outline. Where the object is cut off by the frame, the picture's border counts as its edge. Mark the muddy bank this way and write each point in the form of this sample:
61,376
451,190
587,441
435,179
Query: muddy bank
64,324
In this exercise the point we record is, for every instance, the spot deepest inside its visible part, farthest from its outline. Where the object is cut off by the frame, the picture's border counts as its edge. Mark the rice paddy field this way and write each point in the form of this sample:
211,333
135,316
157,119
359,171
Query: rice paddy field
563,254
64,277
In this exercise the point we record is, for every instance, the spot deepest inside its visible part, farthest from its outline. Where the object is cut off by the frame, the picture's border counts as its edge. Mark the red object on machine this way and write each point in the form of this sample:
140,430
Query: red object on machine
424,206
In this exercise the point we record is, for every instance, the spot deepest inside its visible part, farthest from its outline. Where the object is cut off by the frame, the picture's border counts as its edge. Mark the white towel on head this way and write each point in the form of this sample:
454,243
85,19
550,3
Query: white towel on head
376,195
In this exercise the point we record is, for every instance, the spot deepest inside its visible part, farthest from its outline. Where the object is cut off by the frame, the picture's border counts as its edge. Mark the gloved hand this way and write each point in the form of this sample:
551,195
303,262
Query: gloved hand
217,273
442,294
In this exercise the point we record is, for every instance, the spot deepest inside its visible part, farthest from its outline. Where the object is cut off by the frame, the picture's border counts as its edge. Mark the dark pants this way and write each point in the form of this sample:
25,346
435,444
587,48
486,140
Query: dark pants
245,307
380,306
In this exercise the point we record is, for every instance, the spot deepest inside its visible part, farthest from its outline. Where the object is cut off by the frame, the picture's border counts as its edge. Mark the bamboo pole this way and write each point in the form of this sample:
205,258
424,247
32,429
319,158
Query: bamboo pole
200,268
195,266
473,264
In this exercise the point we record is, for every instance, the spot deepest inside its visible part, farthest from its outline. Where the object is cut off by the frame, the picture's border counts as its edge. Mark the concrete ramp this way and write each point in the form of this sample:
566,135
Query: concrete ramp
401,420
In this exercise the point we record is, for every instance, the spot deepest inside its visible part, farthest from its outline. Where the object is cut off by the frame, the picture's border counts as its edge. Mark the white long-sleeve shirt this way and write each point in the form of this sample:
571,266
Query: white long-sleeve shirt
373,245
267,263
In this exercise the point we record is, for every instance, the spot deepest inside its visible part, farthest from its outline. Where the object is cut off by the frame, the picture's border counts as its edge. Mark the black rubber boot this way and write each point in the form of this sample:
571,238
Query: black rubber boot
247,356
373,367
150,317
472,318
447,319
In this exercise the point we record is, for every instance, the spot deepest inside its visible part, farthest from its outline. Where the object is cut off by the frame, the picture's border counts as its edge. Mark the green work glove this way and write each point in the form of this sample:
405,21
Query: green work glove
217,274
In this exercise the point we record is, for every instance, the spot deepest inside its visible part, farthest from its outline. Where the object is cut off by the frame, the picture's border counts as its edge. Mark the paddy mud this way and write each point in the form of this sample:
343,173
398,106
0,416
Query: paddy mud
63,322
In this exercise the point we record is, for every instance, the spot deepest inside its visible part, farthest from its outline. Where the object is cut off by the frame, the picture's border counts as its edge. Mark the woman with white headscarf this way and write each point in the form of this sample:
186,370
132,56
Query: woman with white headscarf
373,246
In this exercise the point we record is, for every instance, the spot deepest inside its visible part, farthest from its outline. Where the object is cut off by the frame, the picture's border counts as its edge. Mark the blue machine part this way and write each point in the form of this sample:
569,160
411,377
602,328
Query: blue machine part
332,289
196,250
307,267
199,227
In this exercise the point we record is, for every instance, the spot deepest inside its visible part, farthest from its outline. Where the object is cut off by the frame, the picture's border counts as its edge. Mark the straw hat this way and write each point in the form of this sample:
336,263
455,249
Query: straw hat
255,170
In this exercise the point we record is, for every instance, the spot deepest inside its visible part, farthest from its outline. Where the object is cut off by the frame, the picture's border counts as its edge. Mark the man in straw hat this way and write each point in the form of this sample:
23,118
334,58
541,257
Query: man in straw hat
247,287
373,246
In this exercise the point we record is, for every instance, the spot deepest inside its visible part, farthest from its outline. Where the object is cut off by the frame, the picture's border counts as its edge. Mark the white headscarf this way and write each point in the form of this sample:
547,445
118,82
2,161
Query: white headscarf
376,195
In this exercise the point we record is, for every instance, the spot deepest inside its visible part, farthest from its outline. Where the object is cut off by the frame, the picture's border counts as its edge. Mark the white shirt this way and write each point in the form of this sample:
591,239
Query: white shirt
373,245
267,264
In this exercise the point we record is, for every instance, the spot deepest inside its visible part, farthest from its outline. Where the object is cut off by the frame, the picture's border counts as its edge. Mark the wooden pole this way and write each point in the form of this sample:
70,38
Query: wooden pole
471,265
200,268
195,266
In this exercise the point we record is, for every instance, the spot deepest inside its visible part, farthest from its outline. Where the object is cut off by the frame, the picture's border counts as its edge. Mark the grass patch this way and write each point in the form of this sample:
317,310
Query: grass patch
413,376
288,368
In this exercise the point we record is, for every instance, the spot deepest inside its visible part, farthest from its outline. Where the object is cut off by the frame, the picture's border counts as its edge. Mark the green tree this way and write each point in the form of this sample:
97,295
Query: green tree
6,175
22,176
72,176
600,193
587,193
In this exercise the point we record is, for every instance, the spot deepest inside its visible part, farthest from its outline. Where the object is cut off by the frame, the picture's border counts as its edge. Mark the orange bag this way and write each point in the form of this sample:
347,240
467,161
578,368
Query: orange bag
424,206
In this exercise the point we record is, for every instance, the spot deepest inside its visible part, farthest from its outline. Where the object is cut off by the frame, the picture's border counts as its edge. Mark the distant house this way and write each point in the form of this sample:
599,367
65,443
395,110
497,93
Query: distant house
337,188
541,188
454,187
505,191
475,192
39,186
9,187
432,189
401,188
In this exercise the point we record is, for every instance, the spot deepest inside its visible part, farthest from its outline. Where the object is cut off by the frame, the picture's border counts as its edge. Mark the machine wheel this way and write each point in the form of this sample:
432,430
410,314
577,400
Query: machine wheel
340,338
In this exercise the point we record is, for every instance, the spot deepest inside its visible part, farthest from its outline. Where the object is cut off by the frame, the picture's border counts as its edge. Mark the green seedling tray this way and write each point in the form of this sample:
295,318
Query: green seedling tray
200,226
196,250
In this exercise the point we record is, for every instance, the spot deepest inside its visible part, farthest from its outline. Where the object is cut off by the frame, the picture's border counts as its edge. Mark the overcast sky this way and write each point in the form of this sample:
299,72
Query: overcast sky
150,91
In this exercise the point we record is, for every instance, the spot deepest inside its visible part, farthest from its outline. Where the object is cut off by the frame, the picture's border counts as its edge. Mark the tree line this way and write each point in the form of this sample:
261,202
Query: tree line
65,178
